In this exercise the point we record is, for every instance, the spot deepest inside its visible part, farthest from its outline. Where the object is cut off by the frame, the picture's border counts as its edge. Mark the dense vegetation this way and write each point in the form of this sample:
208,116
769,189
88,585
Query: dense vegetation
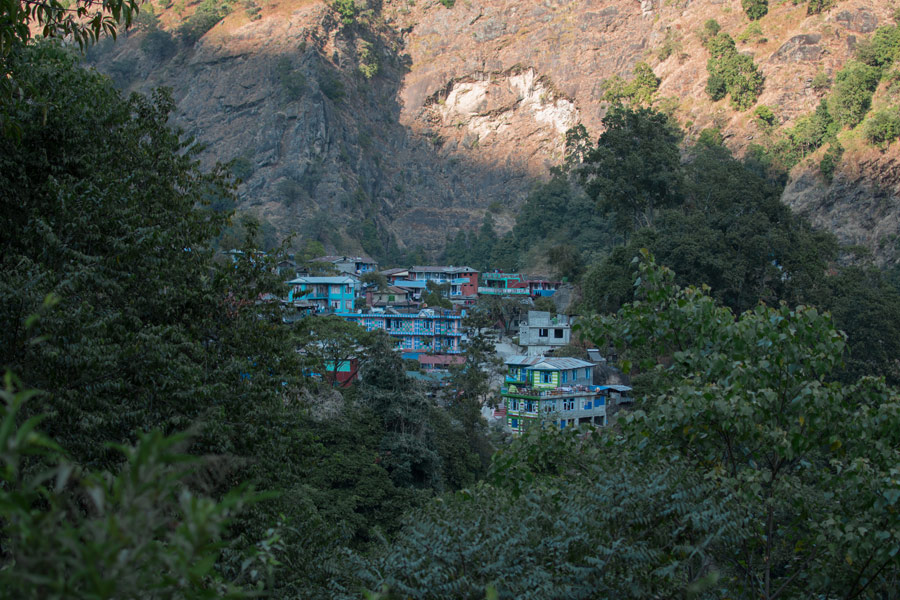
164,434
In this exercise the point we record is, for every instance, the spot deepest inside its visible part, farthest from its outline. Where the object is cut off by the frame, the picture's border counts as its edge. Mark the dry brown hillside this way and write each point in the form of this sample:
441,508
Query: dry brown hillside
469,104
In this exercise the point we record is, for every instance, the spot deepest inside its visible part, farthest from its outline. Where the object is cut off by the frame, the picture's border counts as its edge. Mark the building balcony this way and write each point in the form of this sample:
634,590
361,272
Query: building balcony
498,291
537,394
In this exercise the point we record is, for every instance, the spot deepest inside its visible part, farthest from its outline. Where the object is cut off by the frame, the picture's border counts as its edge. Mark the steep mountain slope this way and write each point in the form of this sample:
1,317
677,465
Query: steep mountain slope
469,104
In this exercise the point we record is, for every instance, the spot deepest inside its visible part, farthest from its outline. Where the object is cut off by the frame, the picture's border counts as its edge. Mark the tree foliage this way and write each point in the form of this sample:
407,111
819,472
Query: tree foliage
732,73
748,402
635,168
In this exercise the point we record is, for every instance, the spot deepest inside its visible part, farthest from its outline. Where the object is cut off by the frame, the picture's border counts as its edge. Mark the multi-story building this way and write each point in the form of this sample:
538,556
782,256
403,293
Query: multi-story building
515,284
352,265
542,333
559,391
463,280
326,293
426,331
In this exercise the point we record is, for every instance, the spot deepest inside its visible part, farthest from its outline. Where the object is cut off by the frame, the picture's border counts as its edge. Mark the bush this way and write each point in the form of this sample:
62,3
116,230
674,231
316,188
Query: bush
816,7
347,9
242,167
448,3
733,73
158,44
883,127
821,82
881,49
331,86
292,82
755,9
207,16
711,29
830,160
852,94
639,90
753,31
670,45
368,59
764,116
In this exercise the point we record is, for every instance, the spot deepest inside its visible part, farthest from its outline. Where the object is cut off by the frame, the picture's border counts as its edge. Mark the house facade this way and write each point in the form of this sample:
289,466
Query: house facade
351,265
542,333
327,294
423,332
558,391
391,296
463,281
496,283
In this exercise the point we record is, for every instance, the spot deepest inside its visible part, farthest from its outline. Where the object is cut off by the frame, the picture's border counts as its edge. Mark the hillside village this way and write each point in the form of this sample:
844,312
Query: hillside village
423,310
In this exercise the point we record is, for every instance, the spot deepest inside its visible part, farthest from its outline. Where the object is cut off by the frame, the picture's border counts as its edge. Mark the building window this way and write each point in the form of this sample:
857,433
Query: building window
549,405
546,377
569,404
558,333
542,333
587,372
514,423
565,376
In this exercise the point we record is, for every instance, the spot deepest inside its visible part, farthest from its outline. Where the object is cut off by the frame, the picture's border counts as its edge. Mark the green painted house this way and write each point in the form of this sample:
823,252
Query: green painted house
542,390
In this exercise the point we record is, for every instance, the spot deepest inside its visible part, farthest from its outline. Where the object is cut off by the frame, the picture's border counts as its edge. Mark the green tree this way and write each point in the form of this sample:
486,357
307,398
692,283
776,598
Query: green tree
437,295
748,403
71,532
635,169
755,9
732,73
851,94
502,311
329,342
883,127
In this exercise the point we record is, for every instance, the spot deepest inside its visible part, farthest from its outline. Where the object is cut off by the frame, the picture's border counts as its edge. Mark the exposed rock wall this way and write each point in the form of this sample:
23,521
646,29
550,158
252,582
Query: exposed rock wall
470,104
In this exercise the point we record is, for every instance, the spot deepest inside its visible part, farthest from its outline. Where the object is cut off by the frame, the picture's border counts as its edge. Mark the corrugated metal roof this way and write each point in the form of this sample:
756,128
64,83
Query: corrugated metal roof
325,280
429,269
405,283
542,363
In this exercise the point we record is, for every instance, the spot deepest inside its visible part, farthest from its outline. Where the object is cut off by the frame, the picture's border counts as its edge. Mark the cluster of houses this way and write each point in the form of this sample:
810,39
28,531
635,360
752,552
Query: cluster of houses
400,308
538,388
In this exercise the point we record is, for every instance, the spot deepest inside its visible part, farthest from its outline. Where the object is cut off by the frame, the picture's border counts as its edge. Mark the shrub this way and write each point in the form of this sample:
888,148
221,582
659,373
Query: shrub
448,3
816,7
711,29
764,116
347,9
883,127
292,82
755,9
753,31
158,44
830,160
368,59
252,10
733,73
821,82
207,16
852,94
639,90
331,86
671,45
881,49
242,167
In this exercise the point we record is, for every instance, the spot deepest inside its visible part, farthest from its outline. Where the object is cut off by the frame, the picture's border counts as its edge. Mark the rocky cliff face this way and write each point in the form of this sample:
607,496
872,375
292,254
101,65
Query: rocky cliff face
470,104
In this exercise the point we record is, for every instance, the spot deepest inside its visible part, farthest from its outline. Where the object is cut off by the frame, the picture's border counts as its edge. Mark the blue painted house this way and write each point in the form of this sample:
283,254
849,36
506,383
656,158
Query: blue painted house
540,390
426,331
328,294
